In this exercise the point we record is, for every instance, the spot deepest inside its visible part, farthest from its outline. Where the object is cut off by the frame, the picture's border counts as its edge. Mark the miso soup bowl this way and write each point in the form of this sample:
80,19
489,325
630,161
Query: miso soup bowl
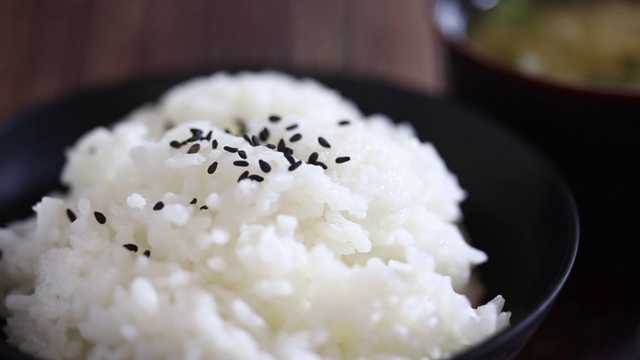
591,133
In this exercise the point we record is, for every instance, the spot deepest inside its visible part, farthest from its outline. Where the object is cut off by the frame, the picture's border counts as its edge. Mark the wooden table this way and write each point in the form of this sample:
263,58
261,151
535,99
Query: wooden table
52,48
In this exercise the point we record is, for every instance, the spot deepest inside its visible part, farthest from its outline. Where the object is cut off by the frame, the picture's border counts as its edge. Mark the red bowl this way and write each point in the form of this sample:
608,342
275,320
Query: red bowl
589,131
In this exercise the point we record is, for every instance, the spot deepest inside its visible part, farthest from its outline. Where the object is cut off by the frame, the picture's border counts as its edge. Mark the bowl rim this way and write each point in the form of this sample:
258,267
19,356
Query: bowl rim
450,35
539,310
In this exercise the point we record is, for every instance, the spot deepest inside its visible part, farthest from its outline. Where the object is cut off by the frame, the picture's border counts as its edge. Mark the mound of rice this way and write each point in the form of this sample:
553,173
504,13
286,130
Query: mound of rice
247,216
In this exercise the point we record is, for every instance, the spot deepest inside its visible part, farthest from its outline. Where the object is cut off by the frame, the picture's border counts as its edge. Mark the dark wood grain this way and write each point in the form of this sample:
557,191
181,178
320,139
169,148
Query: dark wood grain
52,48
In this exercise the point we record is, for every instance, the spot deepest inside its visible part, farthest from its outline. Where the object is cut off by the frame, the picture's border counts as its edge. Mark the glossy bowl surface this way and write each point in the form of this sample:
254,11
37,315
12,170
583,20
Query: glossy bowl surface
519,210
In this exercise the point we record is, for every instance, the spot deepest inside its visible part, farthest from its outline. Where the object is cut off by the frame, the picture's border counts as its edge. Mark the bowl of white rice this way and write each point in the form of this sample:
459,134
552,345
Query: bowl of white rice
266,215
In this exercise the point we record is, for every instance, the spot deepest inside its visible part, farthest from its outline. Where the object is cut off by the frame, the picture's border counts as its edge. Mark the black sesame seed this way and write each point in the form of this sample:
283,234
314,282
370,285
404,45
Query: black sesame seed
147,253
158,206
322,141
194,201
344,122
271,146
290,158
131,247
194,149
100,218
342,159
243,176
208,137
72,217
204,207
291,127
321,164
264,166
295,165
212,168
242,154
295,137
231,149
196,134
287,150
214,144
281,145
274,118
175,144
241,163
227,130
257,178
313,158
247,139
264,134
255,141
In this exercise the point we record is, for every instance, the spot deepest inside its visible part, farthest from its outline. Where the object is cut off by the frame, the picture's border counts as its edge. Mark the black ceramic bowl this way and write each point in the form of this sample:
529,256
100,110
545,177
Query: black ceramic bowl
519,209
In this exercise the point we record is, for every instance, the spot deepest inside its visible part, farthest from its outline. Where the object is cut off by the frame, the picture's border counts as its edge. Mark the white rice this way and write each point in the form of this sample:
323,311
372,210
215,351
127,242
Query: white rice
363,259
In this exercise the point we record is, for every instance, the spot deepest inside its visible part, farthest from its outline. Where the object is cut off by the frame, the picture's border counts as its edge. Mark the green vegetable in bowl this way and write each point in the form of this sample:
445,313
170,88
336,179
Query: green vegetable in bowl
592,42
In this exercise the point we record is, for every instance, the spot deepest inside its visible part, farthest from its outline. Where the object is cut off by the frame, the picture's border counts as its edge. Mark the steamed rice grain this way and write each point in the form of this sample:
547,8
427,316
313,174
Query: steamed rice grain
247,216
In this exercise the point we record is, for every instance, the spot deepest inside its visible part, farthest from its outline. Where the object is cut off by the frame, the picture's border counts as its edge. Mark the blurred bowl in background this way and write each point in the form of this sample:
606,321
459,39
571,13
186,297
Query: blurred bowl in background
556,74
584,45
589,129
